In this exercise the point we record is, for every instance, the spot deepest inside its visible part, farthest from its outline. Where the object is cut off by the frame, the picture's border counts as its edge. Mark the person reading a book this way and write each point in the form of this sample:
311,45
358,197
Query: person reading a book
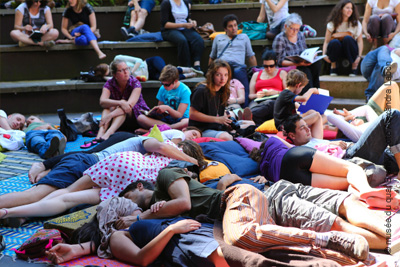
84,26
343,37
34,18
173,102
291,42
121,100
286,105
208,102
379,20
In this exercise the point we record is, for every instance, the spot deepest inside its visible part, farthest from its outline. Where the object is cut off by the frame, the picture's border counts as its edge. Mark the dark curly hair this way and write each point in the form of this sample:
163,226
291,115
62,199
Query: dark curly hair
336,15
255,154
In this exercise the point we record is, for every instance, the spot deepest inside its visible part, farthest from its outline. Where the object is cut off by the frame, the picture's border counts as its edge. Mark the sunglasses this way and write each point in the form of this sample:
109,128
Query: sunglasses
166,84
269,66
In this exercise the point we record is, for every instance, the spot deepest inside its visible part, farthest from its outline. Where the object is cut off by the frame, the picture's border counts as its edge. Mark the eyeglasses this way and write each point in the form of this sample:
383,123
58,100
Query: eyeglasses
269,66
124,70
166,84
294,29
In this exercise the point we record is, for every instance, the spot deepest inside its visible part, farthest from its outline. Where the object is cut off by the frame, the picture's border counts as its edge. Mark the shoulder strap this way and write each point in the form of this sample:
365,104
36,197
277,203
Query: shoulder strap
228,44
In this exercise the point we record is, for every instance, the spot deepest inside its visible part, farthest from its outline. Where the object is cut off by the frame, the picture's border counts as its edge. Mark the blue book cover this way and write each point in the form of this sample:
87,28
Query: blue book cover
316,102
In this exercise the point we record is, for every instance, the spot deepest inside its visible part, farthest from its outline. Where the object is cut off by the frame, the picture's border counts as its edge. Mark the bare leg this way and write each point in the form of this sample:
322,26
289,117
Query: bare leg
147,122
53,206
96,48
183,123
31,195
19,36
103,128
389,88
217,257
115,124
328,181
51,35
134,17
314,121
141,19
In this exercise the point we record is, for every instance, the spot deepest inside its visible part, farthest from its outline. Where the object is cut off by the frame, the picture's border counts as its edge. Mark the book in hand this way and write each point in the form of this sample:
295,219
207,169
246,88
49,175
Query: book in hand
309,55
317,102
155,113
36,35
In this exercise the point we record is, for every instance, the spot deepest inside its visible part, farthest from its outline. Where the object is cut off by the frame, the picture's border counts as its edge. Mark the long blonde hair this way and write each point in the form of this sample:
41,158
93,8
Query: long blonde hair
79,4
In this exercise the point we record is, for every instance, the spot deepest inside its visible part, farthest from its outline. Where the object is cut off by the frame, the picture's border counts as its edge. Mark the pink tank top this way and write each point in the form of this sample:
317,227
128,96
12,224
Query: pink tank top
273,83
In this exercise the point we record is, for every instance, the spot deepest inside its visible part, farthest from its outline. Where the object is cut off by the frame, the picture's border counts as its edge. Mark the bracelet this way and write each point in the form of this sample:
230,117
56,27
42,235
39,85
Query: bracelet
138,218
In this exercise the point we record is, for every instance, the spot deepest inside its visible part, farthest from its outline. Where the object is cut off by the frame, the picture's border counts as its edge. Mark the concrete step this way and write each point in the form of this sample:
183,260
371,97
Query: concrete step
344,86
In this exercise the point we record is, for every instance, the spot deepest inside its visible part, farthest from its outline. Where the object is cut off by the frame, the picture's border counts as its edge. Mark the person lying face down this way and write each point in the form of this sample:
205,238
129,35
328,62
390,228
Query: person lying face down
247,212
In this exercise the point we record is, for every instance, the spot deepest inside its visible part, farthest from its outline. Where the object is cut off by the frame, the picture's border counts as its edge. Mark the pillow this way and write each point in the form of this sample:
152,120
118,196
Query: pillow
267,127
155,133
248,144
233,155
214,34
214,170
207,139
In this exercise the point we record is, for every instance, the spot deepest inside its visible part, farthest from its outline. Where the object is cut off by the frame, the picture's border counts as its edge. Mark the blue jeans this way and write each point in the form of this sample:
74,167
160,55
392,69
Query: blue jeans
239,71
86,35
372,68
38,141
189,42
372,143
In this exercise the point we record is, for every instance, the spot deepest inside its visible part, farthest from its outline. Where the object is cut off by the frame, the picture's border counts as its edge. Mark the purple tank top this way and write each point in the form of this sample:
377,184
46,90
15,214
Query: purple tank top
271,159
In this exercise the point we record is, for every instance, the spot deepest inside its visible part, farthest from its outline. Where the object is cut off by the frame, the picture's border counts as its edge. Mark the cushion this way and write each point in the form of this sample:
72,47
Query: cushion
233,155
213,171
267,127
208,139
214,34
248,144
155,133
70,222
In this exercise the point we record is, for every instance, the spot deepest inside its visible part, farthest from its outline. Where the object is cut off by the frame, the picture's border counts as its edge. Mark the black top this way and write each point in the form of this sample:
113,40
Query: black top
202,101
166,12
83,17
284,107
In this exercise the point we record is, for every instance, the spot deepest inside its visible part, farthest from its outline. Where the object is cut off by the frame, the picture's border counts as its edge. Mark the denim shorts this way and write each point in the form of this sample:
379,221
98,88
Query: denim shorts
212,133
146,4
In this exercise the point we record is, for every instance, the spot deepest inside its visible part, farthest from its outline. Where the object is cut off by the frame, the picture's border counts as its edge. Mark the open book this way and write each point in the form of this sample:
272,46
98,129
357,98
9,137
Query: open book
36,35
155,113
317,102
309,55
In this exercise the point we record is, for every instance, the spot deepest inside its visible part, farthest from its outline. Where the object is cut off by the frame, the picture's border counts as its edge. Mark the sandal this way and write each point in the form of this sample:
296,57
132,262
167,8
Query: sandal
89,144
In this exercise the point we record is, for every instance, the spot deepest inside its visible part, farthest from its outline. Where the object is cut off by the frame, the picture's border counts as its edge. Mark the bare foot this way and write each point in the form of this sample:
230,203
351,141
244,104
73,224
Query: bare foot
64,41
41,175
378,192
34,171
383,203
102,56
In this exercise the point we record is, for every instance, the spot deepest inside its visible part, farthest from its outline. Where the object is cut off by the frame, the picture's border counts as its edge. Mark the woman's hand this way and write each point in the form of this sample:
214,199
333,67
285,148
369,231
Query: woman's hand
44,29
303,63
391,35
28,28
185,226
327,59
193,22
157,206
368,36
188,25
76,34
261,94
259,179
61,253
225,120
358,59
125,106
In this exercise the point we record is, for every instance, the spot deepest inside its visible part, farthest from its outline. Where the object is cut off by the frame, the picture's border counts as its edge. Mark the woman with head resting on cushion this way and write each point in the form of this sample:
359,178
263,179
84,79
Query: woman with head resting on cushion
34,16
104,180
173,241
308,166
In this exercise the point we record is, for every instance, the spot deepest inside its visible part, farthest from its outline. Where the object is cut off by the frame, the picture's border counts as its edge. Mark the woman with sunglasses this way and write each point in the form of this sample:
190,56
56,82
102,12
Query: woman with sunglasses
34,15
292,42
121,100
269,81
343,19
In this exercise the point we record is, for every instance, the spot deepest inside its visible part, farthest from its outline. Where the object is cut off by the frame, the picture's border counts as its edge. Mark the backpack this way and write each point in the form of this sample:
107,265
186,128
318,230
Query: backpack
254,30
38,243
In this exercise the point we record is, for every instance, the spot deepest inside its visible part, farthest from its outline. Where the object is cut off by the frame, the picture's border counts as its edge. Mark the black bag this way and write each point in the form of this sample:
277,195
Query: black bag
66,126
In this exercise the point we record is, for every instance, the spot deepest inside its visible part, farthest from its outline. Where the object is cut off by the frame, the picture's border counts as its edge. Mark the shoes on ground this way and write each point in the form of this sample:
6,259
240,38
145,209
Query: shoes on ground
197,70
49,44
353,73
390,70
333,72
53,148
309,31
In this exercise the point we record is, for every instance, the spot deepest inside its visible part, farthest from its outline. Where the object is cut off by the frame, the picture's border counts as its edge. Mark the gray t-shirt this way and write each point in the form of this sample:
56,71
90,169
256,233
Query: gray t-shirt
131,144
237,51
